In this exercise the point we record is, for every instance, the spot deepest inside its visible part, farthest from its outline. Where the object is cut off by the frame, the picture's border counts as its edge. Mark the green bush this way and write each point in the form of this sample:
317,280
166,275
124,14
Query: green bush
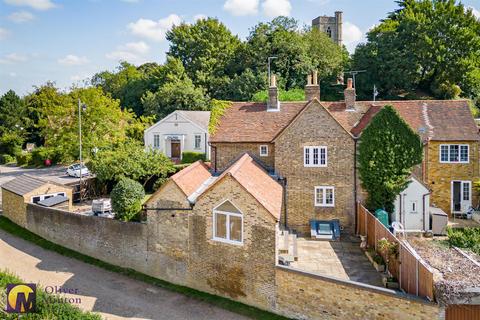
191,157
47,306
23,158
465,238
127,197
6,158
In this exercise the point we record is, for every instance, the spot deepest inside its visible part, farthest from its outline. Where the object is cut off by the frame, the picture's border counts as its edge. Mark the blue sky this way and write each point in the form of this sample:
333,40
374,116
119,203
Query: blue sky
68,41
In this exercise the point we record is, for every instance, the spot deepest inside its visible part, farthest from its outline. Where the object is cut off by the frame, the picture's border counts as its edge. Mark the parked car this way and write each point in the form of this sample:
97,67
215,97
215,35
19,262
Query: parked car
74,170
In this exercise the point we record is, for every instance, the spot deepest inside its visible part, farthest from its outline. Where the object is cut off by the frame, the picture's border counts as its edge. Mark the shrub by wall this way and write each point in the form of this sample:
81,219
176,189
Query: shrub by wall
23,158
191,157
127,197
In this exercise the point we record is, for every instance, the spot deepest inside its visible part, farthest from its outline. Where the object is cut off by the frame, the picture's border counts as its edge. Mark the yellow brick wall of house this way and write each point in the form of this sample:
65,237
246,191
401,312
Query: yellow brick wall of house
243,272
316,127
168,196
305,296
440,175
14,207
224,154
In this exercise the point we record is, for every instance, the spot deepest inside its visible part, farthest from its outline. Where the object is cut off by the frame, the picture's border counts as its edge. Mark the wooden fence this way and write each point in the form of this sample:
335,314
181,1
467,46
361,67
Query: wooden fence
414,275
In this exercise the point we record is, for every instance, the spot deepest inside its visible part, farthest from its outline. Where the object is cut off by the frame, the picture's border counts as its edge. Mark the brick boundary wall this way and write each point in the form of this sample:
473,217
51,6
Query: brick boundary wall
305,295
158,248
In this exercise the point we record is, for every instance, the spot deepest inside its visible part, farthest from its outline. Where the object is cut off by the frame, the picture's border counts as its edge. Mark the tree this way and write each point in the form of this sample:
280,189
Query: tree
14,123
127,197
130,160
387,152
427,47
204,48
103,122
176,92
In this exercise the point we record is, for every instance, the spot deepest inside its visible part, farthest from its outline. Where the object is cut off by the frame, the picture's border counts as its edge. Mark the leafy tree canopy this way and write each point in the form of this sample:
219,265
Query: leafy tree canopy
425,48
130,160
14,123
127,197
387,152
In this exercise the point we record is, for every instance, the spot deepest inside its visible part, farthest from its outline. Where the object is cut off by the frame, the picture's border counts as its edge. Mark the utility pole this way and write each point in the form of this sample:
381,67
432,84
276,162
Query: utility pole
269,61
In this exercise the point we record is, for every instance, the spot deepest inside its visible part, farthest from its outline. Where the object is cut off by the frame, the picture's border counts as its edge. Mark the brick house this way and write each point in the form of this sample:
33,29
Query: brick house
311,145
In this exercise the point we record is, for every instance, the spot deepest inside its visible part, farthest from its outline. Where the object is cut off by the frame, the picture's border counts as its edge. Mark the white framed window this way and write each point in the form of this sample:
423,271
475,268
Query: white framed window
324,196
228,223
198,141
263,150
156,141
454,153
315,156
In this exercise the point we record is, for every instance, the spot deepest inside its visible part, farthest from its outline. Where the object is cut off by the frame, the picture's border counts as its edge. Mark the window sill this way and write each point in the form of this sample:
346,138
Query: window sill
237,243
457,162
324,206
315,166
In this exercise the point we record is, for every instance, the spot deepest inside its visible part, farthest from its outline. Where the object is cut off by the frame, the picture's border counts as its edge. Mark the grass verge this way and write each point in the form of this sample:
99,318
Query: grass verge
221,302
48,305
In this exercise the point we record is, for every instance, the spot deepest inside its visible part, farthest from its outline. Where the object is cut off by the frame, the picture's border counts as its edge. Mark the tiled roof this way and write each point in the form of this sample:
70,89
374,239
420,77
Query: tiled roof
192,177
201,118
251,122
258,183
433,119
444,120
24,184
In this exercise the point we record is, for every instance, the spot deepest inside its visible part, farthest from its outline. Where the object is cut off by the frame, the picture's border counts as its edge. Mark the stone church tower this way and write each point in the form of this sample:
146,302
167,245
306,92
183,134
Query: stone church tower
332,26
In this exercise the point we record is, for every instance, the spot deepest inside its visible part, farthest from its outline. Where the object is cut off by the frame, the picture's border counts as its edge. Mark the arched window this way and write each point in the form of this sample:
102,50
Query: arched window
228,223
329,32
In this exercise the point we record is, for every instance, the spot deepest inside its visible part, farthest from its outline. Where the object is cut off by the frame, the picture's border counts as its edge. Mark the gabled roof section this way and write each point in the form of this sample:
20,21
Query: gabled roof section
251,122
26,183
192,177
200,118
256,181
442,120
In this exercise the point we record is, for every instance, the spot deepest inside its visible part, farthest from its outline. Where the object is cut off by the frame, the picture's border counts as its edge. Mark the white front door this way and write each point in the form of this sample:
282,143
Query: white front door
461,196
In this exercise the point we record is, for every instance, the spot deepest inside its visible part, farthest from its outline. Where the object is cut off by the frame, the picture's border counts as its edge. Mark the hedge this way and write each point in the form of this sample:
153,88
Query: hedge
127,198
191,157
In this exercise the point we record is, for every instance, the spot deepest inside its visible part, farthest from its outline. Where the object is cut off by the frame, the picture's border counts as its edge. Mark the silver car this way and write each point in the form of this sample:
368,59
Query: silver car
74,170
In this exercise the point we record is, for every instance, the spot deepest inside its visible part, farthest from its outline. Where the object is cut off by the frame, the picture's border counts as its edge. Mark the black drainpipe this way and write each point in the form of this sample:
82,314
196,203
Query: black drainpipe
355,180
284,195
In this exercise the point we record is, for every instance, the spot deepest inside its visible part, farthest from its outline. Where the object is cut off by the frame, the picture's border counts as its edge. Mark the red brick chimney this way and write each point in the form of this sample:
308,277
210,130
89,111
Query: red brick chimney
312,89
350,95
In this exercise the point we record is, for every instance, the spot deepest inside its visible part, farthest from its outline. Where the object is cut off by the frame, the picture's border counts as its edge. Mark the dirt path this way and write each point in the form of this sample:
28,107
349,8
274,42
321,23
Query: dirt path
112,295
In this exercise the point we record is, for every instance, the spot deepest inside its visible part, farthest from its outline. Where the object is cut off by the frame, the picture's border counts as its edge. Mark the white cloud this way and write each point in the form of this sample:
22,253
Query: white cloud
320,2
21,16
475,12
72,60
13,58
134,52
12,74
275,8
199,17
153,30
35,4
4,33
352,35
241,7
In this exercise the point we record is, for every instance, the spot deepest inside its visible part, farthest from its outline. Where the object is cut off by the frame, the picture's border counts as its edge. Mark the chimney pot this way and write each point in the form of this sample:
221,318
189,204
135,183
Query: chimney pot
273,102
350,83
312,89
273,81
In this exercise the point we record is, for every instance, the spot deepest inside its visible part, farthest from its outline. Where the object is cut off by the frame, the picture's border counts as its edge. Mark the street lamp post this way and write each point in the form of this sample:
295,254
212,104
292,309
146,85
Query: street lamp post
81,106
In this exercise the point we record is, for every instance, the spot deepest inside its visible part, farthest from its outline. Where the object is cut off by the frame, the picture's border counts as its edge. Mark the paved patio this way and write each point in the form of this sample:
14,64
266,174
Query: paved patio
343,259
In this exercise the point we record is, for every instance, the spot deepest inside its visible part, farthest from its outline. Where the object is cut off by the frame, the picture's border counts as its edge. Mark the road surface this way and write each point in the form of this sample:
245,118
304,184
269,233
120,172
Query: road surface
111,295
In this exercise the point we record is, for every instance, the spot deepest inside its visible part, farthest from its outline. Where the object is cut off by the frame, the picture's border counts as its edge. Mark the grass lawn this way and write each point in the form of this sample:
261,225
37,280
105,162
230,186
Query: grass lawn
221,302
47,306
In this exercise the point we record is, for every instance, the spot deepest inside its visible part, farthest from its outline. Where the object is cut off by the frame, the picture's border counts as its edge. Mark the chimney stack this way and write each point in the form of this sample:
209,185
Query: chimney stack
312,89
273,102
350,95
